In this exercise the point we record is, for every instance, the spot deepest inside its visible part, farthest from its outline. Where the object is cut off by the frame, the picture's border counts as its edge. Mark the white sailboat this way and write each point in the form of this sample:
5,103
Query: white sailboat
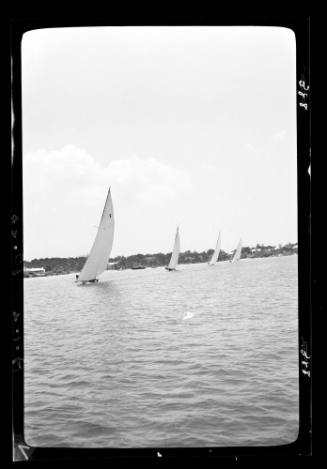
97,261
215,255
238,252
175,254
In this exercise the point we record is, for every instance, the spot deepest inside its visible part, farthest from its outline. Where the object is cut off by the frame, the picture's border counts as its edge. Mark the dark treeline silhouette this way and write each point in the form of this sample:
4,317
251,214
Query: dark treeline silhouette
65,265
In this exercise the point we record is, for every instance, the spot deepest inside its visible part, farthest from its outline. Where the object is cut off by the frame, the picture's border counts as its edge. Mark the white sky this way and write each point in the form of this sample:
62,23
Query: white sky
193,126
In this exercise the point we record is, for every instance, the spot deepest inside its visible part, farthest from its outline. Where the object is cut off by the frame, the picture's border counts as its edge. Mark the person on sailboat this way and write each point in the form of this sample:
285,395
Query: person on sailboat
77,277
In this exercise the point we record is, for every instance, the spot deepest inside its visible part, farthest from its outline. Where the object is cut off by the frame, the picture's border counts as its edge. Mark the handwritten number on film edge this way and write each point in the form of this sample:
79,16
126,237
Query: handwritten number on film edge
304,96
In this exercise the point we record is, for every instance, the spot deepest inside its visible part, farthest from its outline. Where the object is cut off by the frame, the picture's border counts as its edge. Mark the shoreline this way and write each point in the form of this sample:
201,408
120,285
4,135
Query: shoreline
70,272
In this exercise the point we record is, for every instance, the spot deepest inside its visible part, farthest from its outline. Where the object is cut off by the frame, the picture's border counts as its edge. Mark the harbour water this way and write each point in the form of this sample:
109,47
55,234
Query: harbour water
204,356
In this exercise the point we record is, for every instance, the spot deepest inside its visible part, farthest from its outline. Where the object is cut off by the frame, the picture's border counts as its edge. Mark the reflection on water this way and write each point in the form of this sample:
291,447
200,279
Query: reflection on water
206,356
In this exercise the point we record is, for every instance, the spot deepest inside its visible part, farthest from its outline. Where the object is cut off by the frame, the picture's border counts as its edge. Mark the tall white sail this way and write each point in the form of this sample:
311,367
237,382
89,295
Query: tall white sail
215,255
175,254
237,254
98,258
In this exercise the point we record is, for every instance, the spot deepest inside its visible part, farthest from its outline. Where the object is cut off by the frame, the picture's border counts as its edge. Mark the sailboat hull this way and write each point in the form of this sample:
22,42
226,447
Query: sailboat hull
91,282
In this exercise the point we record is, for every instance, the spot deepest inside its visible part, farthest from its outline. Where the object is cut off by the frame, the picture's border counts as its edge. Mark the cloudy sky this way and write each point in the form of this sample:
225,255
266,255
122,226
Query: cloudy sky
193,126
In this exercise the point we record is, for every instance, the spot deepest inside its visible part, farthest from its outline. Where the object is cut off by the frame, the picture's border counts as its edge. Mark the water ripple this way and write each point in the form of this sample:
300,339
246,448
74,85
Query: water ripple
208,357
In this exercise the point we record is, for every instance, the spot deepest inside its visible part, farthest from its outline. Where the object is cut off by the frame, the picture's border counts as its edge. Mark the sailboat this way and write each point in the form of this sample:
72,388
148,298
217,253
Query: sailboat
97,261
238,252
215,255
174,256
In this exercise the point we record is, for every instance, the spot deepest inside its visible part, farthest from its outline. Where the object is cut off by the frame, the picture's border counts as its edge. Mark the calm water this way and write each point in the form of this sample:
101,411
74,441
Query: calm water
206,356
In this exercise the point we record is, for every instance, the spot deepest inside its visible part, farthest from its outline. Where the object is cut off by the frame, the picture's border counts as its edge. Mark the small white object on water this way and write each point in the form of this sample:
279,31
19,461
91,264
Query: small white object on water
188,315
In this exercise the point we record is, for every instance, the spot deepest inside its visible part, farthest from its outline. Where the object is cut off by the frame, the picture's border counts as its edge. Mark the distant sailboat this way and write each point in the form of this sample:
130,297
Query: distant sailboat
215,255
237,254
175,254
97,261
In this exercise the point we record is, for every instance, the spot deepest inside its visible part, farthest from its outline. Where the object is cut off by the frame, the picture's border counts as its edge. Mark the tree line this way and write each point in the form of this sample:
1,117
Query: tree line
62,265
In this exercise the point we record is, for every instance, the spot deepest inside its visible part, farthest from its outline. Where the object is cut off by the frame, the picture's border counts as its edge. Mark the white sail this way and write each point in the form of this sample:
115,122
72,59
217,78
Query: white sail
98,258
175,254
215,255
237,254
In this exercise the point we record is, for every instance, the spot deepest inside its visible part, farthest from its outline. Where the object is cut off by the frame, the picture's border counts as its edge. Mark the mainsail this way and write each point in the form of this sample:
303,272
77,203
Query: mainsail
237,254
174,256
215,255
98,258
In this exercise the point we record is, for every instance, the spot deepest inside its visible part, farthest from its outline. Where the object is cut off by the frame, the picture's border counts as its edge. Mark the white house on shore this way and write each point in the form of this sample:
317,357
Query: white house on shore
34,271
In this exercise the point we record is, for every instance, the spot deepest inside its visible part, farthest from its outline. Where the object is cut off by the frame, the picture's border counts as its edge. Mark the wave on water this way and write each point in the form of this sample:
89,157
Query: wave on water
115,364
